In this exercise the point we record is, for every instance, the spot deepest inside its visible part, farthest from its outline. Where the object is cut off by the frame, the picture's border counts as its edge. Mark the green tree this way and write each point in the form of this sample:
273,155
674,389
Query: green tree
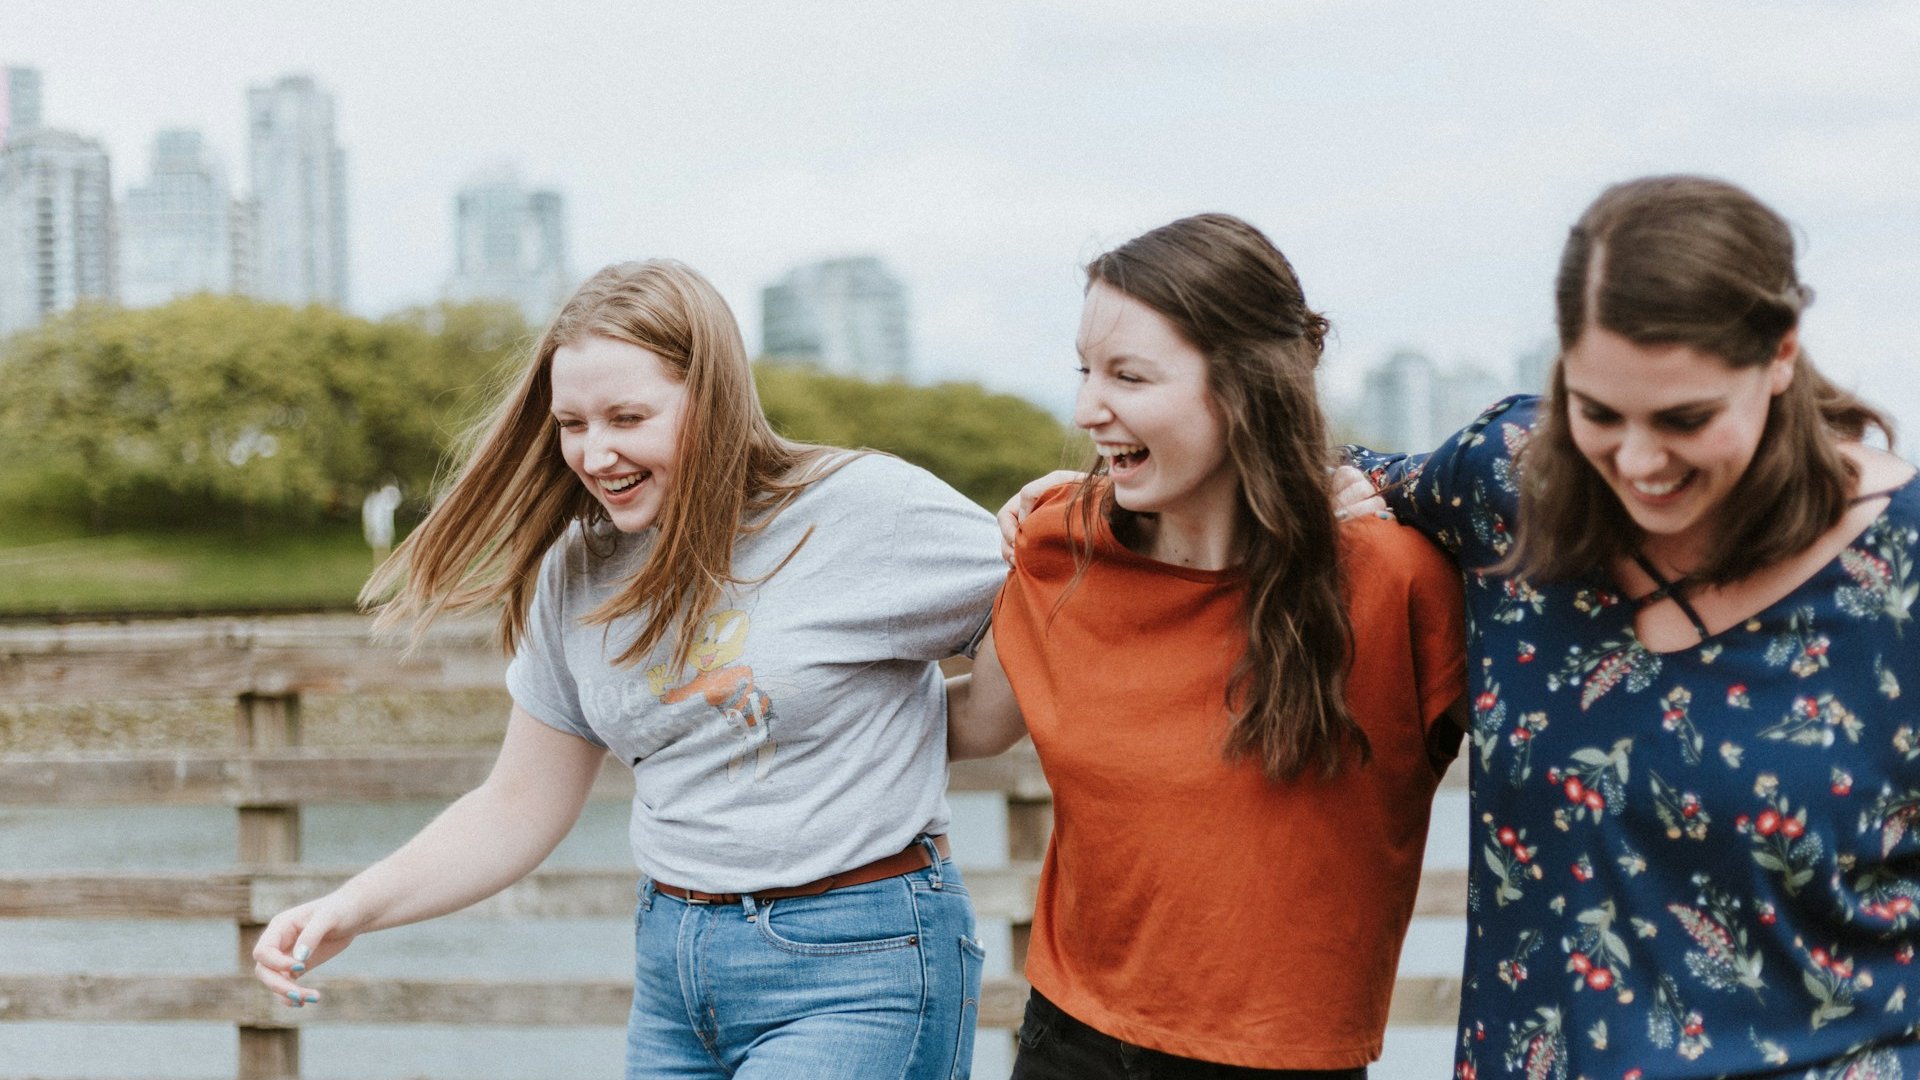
213,408
984,444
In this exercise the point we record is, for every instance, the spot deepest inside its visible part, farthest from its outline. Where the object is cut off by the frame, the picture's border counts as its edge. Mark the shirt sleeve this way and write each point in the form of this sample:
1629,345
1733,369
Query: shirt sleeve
538,678
1463,494
943,567
1436,617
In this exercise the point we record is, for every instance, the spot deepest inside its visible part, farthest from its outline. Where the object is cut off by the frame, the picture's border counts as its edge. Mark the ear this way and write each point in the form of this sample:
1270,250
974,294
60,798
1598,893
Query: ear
1780,368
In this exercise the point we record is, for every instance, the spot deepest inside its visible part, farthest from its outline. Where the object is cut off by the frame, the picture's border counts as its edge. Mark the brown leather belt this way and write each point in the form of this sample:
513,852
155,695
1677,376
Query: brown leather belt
905,861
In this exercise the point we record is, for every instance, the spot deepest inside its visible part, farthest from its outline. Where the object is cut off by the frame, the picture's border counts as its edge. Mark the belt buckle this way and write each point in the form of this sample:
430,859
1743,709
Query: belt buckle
696,901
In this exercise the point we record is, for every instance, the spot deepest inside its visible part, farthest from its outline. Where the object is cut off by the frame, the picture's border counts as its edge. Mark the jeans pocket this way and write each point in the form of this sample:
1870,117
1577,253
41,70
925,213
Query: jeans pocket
876,917
972,962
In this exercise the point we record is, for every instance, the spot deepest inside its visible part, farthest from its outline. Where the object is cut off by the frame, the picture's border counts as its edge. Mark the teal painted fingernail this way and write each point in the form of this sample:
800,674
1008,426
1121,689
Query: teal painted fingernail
301,952
293,996
313,997
1383,515
299,967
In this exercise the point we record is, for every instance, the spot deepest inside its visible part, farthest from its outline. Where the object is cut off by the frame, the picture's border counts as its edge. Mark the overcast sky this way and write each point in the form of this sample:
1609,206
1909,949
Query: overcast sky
1418,162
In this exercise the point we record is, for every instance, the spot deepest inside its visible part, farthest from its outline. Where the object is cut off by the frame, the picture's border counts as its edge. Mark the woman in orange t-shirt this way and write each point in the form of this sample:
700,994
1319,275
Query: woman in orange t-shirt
1239,701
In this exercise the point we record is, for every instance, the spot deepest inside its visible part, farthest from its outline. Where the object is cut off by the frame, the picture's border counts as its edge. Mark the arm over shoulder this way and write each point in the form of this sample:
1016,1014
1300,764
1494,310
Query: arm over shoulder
942,567
1456,492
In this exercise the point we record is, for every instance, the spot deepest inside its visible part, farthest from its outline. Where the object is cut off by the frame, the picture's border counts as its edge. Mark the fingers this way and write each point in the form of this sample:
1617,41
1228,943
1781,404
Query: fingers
1017,508
1354,496
290,942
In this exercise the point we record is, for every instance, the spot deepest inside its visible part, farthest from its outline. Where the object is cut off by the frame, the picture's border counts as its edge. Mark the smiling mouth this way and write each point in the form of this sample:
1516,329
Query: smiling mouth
1658,491
623,484
1124,457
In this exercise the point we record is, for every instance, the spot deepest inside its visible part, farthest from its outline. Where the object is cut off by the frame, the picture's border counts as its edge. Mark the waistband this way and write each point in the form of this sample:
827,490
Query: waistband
905,861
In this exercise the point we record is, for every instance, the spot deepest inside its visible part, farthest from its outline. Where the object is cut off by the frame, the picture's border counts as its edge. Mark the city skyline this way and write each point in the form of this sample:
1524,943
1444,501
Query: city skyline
1419,167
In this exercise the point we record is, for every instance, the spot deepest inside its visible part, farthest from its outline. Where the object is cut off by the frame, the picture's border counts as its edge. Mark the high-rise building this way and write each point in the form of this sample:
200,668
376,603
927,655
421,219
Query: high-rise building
56,226
19,102
1397,405
847,315
1409,404
510,244
299,194
176,234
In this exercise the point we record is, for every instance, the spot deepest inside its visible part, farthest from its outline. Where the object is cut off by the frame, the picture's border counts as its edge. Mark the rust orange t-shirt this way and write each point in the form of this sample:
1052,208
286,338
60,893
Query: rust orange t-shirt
1187,904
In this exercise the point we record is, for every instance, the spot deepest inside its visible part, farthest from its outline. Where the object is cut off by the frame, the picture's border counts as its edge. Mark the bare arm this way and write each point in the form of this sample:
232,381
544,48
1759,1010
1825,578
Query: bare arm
983,718
488,839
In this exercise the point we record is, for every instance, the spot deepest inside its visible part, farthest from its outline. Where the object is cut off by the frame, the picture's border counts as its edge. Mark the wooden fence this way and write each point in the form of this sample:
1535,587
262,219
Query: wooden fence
264,666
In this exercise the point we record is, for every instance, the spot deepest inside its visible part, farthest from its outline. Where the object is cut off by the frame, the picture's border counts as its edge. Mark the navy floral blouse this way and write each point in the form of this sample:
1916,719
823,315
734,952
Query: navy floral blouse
1703,863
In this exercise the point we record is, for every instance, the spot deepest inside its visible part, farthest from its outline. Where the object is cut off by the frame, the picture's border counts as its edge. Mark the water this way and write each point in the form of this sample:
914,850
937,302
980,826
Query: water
174,838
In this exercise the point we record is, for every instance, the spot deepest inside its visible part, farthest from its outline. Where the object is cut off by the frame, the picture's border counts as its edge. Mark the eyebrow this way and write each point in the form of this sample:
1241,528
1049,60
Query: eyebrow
1671,410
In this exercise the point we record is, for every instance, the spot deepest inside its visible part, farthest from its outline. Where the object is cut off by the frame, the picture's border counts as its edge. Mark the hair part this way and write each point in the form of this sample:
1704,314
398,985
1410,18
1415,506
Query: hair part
514,495
1693,261
1230,292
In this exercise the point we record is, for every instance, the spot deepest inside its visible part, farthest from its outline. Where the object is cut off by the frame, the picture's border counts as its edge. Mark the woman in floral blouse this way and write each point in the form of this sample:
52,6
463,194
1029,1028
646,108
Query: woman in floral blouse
1689,590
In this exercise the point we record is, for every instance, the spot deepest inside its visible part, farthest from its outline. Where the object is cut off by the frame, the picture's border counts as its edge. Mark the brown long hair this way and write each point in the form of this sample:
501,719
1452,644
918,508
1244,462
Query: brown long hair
1688,260
514,495
1233,295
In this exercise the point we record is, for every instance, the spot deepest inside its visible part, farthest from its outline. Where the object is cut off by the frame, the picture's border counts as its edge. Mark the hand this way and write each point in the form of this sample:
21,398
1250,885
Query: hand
296,941
1353,495
1018,507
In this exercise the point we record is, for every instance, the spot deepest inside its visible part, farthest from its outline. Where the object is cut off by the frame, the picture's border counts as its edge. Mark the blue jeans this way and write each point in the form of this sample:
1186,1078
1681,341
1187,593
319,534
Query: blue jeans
869,982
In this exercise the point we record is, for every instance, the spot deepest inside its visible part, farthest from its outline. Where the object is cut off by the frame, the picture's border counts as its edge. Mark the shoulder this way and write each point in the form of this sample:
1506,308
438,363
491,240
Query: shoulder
1049,529
1379,554
871,479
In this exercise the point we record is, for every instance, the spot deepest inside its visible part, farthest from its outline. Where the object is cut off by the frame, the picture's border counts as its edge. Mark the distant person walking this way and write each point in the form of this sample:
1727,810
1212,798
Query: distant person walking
752,625
1239,701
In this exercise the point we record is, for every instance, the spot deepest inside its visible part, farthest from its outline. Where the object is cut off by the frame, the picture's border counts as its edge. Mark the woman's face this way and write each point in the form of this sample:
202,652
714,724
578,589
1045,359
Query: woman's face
1144,398
1670,428
619,412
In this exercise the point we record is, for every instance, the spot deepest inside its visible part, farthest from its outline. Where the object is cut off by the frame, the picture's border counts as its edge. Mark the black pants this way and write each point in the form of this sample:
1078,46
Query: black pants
1055,1046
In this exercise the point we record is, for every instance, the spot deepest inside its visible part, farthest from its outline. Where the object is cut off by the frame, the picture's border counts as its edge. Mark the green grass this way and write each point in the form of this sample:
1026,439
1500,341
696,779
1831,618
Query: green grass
52,569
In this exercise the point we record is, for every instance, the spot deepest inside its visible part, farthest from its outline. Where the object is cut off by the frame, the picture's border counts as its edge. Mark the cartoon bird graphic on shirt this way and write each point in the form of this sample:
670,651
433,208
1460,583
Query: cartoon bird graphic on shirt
727,687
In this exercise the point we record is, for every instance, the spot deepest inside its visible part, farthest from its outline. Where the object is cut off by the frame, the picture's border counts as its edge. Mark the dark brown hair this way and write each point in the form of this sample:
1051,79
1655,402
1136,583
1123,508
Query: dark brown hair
1687,260
514,495
1233,295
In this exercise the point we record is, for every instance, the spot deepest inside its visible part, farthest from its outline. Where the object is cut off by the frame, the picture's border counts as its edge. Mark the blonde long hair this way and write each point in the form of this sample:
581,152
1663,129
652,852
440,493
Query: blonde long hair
514,495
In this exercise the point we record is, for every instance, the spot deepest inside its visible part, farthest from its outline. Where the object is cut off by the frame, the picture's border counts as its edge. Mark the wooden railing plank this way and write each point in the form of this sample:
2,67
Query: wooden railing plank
1417,1001
998,892
220,778
96,662
226,778
124,896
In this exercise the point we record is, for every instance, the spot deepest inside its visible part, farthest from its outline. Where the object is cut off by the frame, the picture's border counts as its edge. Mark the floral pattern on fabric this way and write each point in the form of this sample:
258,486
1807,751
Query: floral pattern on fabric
1703,863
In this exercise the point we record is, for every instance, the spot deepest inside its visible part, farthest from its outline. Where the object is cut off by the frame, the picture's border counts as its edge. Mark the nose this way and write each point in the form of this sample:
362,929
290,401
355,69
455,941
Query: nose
1089,411
597,453
1640,455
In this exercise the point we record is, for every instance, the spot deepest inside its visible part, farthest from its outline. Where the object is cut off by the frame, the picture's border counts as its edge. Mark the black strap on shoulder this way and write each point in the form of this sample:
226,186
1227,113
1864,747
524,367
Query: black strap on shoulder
1667,590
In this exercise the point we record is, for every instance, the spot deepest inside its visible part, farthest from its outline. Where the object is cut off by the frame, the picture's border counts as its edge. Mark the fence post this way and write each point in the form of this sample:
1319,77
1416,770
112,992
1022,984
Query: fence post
1029,825
269,835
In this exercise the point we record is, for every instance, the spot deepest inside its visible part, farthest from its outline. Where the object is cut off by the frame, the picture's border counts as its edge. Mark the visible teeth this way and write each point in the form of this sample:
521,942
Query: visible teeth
622,484
1657,490
1114,450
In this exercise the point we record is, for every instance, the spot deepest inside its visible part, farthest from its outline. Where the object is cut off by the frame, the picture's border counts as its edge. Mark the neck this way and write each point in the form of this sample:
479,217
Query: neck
1674,556
1203,543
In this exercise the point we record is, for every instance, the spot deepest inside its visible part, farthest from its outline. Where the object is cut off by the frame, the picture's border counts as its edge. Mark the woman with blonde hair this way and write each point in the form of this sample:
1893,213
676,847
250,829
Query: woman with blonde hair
753,626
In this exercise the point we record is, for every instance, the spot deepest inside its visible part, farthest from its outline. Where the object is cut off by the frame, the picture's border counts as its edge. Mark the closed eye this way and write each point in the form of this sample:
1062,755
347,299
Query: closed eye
1685,423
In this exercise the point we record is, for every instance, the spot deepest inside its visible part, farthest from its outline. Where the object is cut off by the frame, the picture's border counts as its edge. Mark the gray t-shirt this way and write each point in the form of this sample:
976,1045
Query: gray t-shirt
807,733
